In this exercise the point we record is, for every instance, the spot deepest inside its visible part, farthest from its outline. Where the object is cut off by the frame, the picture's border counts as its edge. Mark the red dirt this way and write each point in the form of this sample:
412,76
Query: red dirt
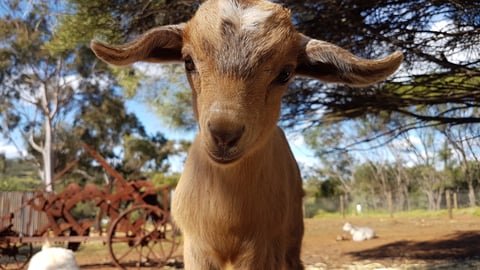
400,241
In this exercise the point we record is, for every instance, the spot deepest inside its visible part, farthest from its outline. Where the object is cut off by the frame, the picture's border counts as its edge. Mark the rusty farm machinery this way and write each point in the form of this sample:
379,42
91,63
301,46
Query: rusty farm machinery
134,223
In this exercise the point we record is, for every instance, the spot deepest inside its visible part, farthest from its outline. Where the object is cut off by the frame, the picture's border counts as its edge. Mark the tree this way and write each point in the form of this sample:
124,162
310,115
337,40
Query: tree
105,125
38,85
55,94
460,139
432,180
18,175
448,71
3,163
439,39
168,94
338,165
367,188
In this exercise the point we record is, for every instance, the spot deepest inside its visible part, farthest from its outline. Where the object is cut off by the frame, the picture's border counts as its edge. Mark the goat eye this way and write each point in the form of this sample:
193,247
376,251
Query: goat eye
189,64
285,75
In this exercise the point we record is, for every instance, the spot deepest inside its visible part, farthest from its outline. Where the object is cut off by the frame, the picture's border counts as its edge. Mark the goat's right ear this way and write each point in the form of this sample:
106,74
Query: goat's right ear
161,44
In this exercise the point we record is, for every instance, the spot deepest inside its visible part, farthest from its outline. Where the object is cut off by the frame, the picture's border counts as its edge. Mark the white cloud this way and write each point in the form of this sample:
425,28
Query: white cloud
301,151
457,54
10,151
158,71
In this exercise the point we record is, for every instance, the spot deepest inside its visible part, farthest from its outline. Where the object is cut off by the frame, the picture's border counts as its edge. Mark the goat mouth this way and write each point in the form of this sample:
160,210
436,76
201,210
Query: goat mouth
224,157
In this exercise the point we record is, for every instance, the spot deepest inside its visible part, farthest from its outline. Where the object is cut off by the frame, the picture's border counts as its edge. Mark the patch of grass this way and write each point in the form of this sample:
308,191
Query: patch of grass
476,212
93,248
325,214
418,213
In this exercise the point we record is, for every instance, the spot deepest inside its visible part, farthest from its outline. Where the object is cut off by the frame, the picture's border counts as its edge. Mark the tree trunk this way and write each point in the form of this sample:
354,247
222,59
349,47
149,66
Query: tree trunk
449,203
407,198
47,155
390,203
471,193
439,198
431,200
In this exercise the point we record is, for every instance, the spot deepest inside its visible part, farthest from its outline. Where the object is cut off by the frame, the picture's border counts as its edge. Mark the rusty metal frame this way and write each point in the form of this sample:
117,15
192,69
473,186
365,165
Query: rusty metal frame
63,227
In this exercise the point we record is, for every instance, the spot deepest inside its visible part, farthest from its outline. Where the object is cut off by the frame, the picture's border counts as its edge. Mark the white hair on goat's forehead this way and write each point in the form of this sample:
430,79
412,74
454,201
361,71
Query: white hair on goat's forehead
239,36
248,18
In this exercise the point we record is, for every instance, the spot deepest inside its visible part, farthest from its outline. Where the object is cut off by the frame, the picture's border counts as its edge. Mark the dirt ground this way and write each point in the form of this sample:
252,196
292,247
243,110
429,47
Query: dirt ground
402,243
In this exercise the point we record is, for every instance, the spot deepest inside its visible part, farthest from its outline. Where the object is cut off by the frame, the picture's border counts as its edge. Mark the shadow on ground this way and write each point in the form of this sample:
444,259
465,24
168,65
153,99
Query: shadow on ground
454,247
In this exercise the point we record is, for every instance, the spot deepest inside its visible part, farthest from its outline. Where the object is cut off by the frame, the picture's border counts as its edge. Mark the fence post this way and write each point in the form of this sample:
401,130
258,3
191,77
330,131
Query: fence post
342,205
455,201
449,203
390,204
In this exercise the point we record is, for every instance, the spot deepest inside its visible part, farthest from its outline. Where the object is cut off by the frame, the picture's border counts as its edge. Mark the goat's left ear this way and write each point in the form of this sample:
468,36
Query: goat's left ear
161,44
328,62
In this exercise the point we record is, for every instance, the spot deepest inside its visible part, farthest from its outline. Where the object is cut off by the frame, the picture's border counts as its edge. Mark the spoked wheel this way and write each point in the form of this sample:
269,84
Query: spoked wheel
142,237
15,255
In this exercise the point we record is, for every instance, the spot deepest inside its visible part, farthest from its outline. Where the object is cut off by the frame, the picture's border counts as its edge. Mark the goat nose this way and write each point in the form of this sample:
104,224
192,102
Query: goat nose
225,136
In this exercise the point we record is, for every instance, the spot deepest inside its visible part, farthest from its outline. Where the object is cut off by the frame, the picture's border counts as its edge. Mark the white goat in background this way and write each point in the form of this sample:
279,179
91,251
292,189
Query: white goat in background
359,233
239,199
53,258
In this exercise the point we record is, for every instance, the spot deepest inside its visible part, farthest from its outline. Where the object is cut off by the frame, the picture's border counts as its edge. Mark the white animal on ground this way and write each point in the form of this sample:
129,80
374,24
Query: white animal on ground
358,207
53,258
359,233
239,199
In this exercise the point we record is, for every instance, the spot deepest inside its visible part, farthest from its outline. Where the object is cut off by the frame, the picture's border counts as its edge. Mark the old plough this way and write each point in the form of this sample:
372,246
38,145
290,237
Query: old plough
133,220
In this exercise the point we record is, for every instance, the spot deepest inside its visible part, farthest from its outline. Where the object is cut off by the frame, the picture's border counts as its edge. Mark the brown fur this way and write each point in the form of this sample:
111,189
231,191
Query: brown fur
239,199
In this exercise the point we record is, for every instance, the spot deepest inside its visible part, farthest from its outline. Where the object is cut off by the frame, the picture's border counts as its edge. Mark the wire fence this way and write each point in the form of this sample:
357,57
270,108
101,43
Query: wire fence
388,203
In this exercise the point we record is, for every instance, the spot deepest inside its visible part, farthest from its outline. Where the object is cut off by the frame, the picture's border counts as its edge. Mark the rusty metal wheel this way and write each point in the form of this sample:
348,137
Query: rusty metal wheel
142,236
15,256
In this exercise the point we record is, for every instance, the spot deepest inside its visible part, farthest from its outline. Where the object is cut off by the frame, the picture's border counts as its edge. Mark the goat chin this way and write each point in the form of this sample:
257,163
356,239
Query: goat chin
53,258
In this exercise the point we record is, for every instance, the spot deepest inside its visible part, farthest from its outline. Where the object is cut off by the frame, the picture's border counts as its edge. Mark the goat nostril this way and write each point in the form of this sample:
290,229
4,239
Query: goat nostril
225,137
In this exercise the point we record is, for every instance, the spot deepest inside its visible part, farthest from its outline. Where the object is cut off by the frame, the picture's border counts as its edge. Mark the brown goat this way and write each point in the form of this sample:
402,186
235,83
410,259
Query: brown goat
239,199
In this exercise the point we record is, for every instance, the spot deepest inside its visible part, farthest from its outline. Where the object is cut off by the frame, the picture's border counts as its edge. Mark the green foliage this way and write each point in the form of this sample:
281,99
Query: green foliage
322,195
310,187
129,79
20,184
80,22
440,70
310,208
169,95
427,87
330,188
476,212
19,175
84,210
115,22
3,164
163,180
146,154
417,213
103,119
